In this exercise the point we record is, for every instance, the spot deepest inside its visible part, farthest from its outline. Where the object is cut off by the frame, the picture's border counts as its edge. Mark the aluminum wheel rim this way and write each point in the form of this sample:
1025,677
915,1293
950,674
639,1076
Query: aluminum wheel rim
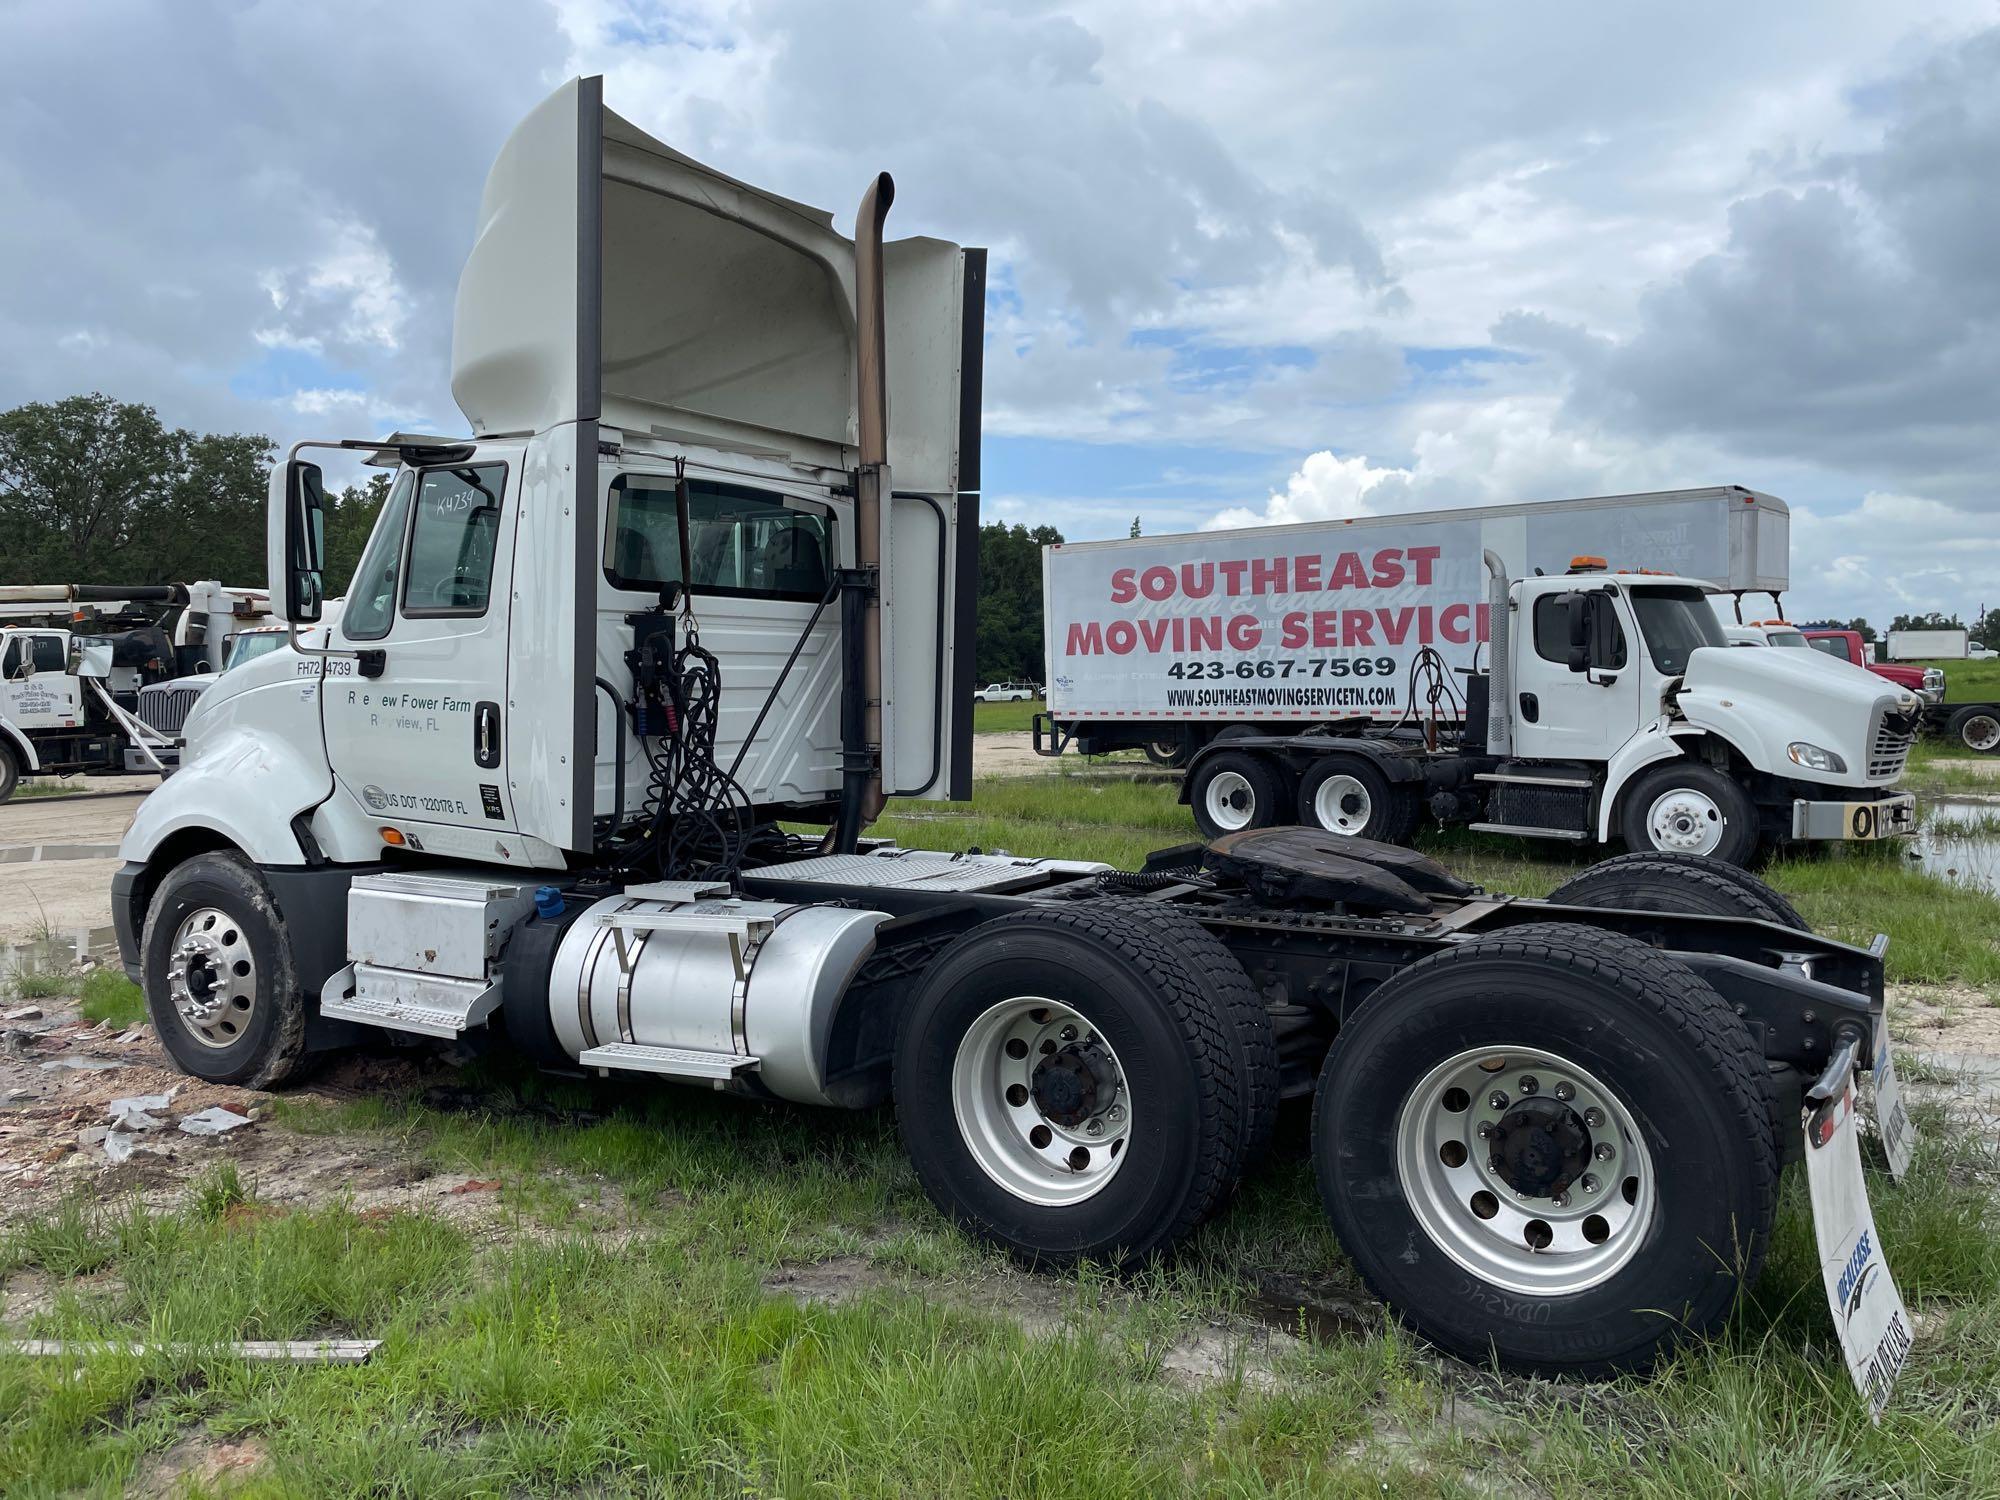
212,977
1035,1156
1545,1246
1685,821
1342,805
1226,790
1981,732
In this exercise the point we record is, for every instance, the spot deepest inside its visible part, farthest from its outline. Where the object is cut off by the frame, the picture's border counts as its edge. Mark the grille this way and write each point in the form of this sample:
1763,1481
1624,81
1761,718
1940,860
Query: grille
1889,749
164,706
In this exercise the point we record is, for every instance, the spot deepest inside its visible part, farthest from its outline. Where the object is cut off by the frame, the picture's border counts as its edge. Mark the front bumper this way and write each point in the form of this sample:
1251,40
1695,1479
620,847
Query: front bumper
1890,816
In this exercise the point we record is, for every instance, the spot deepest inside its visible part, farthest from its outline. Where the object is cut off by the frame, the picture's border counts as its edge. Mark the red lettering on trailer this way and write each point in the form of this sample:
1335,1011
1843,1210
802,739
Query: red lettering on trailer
1357,627
1084,640
1245,634
1124,585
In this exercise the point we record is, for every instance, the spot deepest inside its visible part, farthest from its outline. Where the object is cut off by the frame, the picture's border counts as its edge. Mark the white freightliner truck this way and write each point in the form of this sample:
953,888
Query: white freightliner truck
703,575
107,701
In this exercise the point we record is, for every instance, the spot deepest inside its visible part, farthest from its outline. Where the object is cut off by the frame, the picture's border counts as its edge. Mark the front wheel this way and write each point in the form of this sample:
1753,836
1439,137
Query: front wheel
1068,1088
1685,807
1977,728
10,773
1552,1146
220,986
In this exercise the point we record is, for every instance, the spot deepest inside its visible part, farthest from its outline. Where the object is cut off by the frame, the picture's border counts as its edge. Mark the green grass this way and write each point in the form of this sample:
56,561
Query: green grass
1002,718
1976,681
109,996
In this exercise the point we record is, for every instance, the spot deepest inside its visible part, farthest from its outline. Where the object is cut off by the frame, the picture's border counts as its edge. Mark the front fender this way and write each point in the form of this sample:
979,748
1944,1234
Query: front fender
254,761
1660,740
24,748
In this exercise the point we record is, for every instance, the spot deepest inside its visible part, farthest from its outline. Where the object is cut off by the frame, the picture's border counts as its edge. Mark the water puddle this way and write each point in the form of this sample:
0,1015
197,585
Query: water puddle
54,952
1959,841
35,854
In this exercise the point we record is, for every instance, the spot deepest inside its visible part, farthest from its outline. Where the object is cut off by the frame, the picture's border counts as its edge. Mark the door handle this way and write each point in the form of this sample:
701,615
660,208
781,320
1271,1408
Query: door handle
486,736
1531,708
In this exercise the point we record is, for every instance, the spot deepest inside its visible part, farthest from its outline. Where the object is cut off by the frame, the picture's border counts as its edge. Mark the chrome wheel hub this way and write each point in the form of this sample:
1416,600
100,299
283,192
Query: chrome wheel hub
1685,821
1041,1101
1981,732
1525,1169
212,977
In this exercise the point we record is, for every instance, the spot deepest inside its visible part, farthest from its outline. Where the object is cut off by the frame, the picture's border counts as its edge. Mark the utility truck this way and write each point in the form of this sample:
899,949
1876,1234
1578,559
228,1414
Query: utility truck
686,590
90,701
1164,643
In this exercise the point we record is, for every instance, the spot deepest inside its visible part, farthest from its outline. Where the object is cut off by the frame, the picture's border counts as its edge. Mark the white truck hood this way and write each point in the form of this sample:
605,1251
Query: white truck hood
1764,701
615,279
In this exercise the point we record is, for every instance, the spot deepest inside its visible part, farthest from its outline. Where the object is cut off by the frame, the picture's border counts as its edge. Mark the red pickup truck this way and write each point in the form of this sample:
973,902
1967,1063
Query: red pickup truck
1926,682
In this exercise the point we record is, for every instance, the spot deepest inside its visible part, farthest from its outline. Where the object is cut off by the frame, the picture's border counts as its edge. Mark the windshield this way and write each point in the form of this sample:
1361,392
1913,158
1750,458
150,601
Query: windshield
1675,622
244,648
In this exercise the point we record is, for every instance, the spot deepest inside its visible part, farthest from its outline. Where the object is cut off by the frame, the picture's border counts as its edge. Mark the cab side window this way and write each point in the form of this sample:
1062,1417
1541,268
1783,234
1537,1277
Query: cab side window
49,654
453,537
742,543
1607,636
11,659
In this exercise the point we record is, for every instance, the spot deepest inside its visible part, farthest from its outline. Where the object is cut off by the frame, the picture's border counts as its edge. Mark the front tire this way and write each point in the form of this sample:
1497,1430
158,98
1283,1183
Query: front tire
1553,1147
10,773
220,984
1651,881
1067,1088
1235,790
1685,807
1977,729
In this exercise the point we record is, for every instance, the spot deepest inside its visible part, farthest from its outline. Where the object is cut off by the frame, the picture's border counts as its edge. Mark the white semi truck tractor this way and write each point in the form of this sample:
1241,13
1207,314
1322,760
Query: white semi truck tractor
584,766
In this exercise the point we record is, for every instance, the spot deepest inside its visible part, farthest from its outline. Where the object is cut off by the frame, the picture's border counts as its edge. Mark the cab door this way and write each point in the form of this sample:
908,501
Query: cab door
1565,714
416,721
36,688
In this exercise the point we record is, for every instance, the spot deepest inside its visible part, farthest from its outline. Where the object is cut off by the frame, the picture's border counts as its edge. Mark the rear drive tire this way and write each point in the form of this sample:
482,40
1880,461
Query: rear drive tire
1066,1087
1235,790
1685,807
1977,729
1173,753
1345,794
1253,1042
1692,883
1625,1189
220,986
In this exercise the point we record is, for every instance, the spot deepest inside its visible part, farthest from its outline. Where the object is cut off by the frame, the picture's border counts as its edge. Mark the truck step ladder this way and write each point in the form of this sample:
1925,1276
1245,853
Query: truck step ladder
427,1004
685,1063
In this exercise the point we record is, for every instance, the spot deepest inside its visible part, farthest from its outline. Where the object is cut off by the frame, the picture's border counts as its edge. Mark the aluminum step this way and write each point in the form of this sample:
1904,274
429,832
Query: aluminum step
1568,783
718,923
1576,835
400,1000
717,1068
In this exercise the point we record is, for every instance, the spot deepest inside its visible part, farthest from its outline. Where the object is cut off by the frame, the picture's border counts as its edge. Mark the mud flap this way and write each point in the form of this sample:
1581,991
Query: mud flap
1892,1116
1868,1311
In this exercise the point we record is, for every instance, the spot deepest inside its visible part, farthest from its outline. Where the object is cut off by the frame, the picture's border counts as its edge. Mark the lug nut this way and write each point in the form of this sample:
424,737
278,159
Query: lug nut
1496,1100
1594,1118
1095,1127
1602,1151
1485,1130
1565,1092
1562,1200
1069,1033
1530,1084
1589,1183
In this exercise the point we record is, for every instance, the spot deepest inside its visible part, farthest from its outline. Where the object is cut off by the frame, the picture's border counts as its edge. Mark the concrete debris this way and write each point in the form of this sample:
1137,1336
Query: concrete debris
25,1013
216,1121
139,1111
84,1064
294,1351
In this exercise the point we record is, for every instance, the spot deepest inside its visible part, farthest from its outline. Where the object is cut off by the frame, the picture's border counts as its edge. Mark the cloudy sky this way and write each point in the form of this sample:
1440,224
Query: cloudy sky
1253,259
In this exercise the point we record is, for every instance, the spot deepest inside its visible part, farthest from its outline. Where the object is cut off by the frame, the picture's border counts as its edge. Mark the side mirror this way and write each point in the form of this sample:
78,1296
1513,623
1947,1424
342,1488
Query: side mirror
1576,607
299,583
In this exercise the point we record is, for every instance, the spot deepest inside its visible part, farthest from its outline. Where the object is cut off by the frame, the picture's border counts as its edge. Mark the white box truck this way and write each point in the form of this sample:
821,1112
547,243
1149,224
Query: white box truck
1160,643
1929,645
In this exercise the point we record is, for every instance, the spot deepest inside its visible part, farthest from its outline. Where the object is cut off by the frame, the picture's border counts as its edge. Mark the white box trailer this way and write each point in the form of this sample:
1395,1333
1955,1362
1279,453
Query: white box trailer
1159,642
1929,645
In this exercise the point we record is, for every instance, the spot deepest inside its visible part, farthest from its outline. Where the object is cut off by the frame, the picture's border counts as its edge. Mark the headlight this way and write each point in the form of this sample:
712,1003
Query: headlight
1813,758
